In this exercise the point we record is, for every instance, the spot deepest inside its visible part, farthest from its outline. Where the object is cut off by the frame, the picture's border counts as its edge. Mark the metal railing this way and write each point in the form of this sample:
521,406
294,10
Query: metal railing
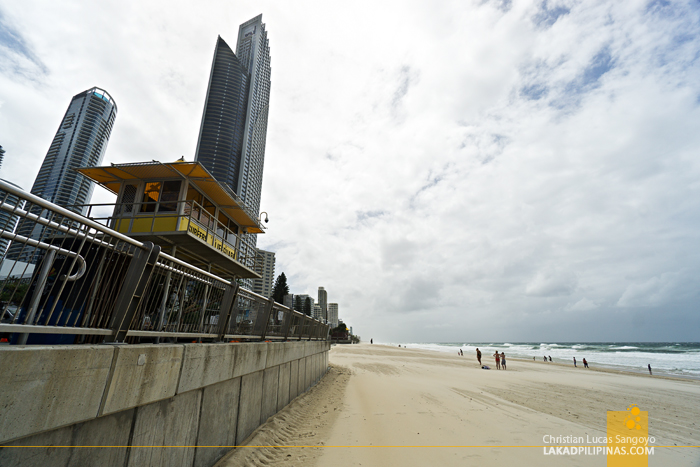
67,279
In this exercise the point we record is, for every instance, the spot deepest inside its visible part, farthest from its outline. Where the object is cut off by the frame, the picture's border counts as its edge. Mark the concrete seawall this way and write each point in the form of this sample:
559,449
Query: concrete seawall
184,395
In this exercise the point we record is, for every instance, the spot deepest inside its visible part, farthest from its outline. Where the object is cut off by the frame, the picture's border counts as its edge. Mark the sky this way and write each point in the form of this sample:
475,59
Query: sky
453,171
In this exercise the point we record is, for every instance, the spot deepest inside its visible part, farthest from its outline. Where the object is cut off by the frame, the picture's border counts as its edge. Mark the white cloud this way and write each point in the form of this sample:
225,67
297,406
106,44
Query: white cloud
447,163
552,284
582,305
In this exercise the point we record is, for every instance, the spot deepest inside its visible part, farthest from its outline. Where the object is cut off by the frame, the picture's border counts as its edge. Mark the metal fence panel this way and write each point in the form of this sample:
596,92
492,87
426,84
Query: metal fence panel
66,280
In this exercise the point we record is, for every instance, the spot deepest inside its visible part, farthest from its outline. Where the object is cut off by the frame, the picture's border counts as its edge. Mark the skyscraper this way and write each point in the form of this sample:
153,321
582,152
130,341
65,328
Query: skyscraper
223,120
253,50
2,155
232,135
81,141
264,286
318,312
233,132
8,221
323,302
333,314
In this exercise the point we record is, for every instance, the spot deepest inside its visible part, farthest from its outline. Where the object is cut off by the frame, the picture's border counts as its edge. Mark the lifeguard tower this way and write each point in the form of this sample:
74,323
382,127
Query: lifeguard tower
181,207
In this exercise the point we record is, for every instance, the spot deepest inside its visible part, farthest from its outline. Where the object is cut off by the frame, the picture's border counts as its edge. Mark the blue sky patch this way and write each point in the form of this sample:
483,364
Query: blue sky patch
546,17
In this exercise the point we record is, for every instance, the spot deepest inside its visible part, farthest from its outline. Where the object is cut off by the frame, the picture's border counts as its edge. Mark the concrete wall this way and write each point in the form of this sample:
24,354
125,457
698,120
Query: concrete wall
176,396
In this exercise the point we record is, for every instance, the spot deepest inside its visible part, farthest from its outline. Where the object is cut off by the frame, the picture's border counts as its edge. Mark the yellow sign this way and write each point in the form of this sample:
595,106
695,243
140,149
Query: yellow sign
628,438
217,243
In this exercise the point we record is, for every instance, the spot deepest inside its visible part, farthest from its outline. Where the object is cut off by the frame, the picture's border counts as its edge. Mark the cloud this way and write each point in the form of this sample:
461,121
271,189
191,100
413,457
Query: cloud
428,163
582,305
656,291
548,14
552,283
17,57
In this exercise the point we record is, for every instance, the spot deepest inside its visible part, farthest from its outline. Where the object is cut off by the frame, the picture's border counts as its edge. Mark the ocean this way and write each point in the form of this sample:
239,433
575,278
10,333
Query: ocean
679,359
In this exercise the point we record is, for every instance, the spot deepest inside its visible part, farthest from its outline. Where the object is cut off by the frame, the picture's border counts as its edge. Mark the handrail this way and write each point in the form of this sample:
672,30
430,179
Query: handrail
46,246
97,226
66,213
127,292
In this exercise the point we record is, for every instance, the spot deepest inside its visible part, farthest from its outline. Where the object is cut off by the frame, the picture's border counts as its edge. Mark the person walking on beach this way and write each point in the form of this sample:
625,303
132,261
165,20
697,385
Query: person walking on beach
371,341
478,355
503,360
649,365
544,358
574,362
498,360
550,358
585,363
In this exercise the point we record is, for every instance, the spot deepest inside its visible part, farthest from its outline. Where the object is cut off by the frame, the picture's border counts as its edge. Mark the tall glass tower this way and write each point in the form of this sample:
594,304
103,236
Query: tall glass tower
81,141
232,135
253,50
234,123
223,120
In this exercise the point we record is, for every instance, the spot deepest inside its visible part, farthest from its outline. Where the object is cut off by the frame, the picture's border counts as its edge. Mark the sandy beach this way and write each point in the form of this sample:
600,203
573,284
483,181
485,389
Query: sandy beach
390,406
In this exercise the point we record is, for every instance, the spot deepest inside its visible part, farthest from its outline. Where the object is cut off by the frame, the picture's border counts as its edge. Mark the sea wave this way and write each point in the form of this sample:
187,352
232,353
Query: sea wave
672,358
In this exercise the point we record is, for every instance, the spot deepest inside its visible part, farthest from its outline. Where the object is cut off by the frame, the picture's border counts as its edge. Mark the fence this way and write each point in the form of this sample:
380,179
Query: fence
67,279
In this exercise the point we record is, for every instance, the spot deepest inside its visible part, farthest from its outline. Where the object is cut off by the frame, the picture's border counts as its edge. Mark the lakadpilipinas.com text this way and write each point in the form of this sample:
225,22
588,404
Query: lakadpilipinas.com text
591,445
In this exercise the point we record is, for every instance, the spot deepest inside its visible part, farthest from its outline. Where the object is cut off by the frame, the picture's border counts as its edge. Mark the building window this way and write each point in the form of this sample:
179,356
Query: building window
151,193
161,196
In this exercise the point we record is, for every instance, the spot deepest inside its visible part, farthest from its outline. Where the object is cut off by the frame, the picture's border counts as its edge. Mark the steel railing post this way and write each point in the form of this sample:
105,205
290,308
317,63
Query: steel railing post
135,281
38,290
287,325
227,305
268,311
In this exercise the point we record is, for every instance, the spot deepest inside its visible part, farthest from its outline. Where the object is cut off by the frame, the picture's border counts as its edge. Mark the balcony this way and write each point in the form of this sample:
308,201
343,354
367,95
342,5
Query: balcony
189,227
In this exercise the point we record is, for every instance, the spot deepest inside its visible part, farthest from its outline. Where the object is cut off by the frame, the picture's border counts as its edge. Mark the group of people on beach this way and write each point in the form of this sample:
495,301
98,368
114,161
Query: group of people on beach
500,359
585,363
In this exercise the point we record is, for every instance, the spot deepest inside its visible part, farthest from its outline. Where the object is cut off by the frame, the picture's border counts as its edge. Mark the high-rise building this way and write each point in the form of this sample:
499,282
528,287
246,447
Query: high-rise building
318,312
81,141
2,155
303,298
253,51
288,301
232,136
234,124
333,314
8,221
223,121
323,301
264,286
